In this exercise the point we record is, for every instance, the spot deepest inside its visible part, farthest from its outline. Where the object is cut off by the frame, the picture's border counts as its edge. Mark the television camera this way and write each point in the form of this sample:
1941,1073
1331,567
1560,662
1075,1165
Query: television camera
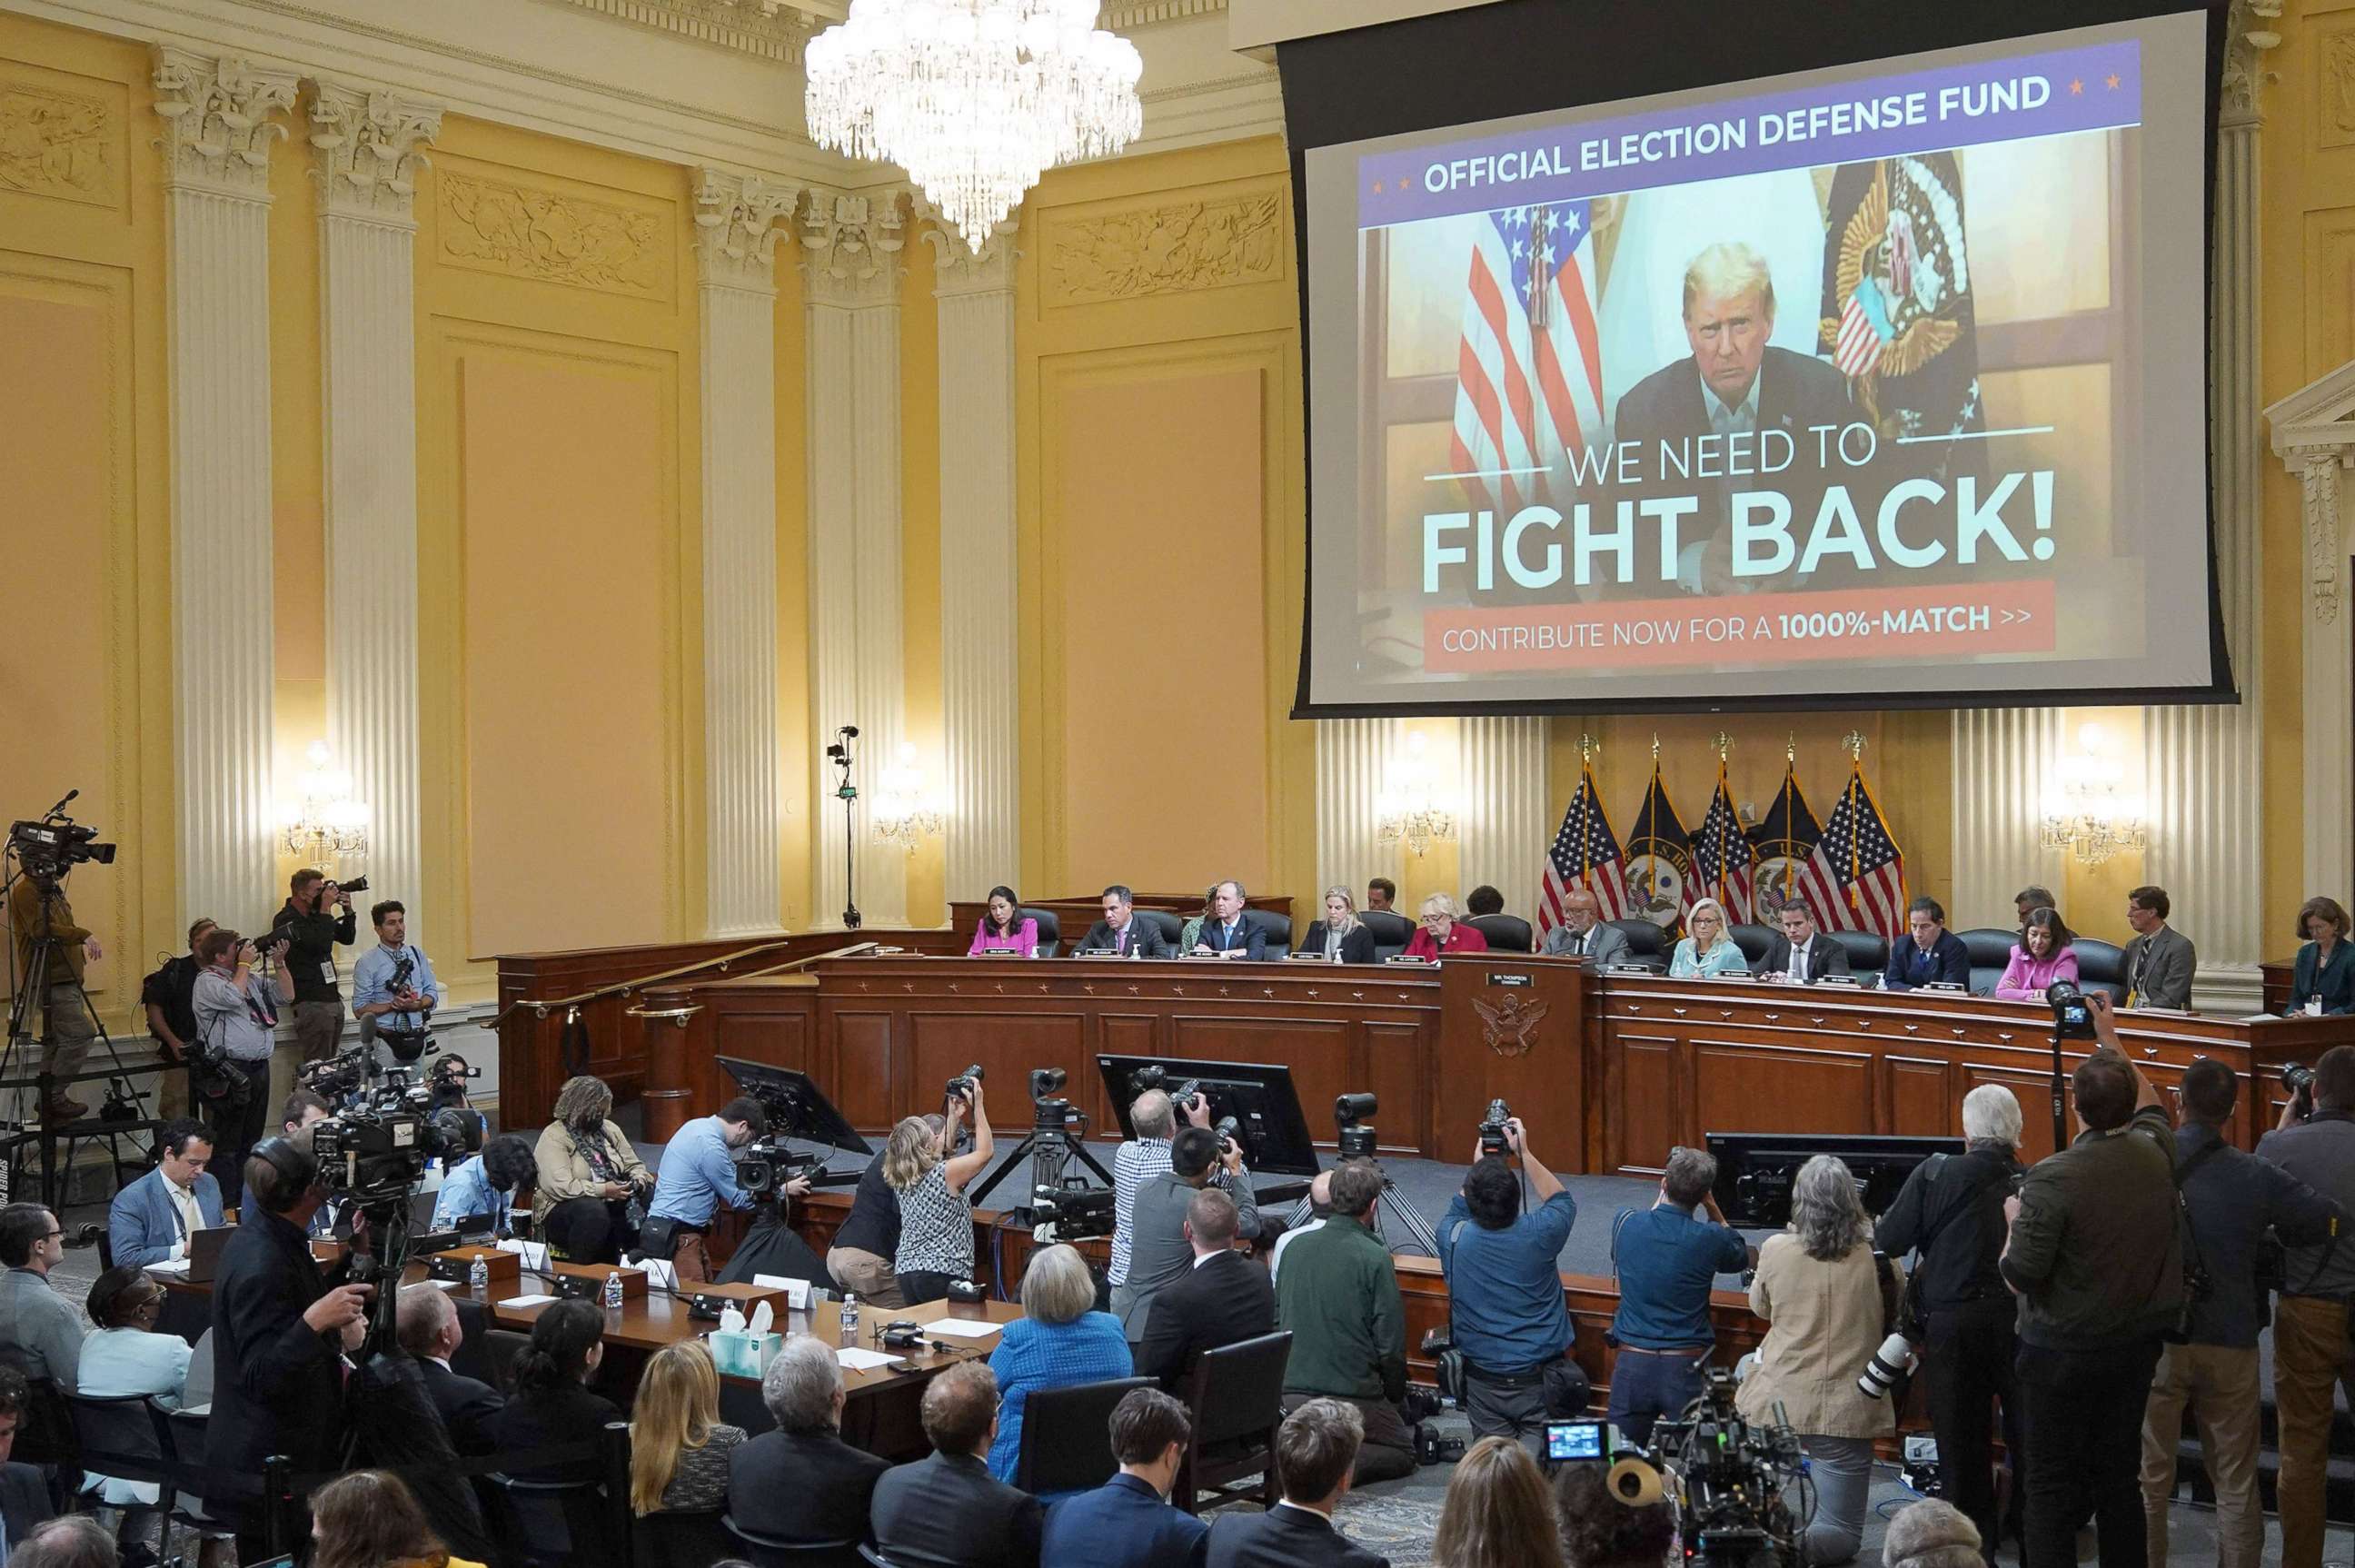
1064,1207
1726,1475
794,1110
1353,1122
372,1156
54,844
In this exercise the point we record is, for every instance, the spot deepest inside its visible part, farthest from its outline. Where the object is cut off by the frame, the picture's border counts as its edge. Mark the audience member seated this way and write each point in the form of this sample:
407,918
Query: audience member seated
1599,1530
1128,1523
1667,1258
1483,899
426,1322
1320,1209
370,1518
1819,1286
589,1171
680,1448
1223,1299
1584,933
24,1494
77,1540
41,1334
2042,955
1340,1300
125,1356
1121,932
1228,930
935,1216
1504,1278
1059,1341
860,1258
1931,955
1442,933
1316,1458
1159,1254
1340,937
1710,949
1004,927
1499,1513
802,1483
1798,954
948,1511
2160,961
2324,978
1930,1533
149,1221
552,1403
487,1184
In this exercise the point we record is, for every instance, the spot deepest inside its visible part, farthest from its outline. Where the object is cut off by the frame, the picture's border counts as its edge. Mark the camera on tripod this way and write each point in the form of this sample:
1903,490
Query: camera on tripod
374,1156
1726,1474
1493,1138
336,1078
1352,1119
48,849
2072,1016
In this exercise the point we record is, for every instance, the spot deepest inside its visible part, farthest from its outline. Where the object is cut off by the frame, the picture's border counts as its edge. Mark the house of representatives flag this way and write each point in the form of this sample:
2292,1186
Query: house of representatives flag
1785,842
1724,866
1857,874
1584,854
1660,861
1529,380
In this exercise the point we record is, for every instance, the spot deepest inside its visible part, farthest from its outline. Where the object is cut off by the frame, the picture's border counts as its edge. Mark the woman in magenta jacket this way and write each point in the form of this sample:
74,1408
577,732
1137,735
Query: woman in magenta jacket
1003,928
2042,955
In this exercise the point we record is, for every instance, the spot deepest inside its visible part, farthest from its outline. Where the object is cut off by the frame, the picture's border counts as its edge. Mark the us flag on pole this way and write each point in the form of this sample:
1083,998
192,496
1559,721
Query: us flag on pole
1587,854
1857,876
1528,378
1724,866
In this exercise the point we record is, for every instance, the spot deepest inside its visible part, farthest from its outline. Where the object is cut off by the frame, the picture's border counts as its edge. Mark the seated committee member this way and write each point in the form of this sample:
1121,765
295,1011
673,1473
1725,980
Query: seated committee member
2159,961
1441,933
947,1510
425,1320
1003,928
1584,933
2324,980
1221,1299
1316,1466
1710,949
1801,955
1121,932
589,1171
2043,955
1340,937
486,1185
150,1219
1483,899
1127,1523
1381,893
1229,931
2031,899
802,1483
1931,955
1193,927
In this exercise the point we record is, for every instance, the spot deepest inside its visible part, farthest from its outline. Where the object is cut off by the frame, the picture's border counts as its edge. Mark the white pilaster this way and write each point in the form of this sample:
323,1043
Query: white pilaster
2329,862
368,144
2001,757
735,261
1504,834
974,296
850,247
1353,759
218,119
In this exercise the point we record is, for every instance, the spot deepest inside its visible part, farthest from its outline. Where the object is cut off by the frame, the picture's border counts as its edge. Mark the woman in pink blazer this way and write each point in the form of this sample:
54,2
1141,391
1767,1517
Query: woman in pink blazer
1004,929
2042,955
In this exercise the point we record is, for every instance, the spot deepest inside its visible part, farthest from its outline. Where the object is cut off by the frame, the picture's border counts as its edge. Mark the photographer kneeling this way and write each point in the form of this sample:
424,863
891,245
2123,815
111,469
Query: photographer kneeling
698,1175
1504,1290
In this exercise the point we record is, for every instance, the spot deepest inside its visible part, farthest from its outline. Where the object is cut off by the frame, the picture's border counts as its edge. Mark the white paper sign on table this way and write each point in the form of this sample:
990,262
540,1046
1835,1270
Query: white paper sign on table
532,1301
796,1290
856,1360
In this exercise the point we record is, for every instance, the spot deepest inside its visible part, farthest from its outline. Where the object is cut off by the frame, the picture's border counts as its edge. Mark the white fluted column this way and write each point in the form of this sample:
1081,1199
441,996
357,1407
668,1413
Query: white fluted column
367,146
1353,759
1503,836
736,254
980,689
850,247
2329,861
2000,759
219,118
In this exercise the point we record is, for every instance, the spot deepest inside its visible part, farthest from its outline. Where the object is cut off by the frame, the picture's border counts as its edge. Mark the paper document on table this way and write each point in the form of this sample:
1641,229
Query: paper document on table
535,1299
855,1360
176,1267
960,1328
533,1253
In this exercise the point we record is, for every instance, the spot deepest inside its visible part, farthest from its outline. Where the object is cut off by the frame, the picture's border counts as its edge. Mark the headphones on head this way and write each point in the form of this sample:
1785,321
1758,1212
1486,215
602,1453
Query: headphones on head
282,1157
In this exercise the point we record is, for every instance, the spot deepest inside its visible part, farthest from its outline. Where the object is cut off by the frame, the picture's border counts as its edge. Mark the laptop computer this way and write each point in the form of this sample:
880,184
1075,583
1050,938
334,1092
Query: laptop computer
204,1247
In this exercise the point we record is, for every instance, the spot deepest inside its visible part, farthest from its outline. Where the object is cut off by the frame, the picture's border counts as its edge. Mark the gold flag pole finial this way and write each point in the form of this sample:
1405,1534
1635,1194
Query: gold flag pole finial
1854,742
1791,750
1588,746
1655,751
1723,741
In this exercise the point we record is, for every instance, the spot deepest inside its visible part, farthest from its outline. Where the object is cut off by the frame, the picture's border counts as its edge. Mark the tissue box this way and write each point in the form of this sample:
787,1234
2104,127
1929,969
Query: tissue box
744,1354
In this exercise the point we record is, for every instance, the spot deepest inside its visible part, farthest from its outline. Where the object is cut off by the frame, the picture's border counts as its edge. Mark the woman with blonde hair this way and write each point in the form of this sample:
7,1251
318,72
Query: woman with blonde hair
678,1446
1060,1340
588,1173
1499,1512
935,1216
1710,949
369,1518
1340,937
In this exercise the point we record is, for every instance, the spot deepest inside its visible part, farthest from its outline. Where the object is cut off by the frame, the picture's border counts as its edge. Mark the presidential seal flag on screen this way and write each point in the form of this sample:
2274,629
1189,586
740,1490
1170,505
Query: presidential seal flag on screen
1585,853
1724,867
1857,874
1529,378
1660,861
1785,842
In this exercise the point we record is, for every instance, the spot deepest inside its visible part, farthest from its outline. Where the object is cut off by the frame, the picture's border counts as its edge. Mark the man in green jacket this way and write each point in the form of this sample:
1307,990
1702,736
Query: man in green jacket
1340,1300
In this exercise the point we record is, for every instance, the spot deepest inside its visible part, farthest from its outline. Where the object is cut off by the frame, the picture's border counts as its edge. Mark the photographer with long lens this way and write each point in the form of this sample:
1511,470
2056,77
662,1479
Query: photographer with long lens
1504,1289
2095,1255
1163,1253
236,1026
315,921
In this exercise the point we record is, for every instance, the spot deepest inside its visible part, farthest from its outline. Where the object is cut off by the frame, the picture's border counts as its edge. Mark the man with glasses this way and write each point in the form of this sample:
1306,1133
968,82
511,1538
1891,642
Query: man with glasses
38,1330
151,1220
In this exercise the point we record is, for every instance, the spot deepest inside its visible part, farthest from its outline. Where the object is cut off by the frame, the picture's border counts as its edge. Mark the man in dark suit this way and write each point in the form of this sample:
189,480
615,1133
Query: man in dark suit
1316,1449
1224,1299
802,1483
428,1329
1158,1252
1122,931
1931,954
24,1498
1738,388
1230,932
1127,1523
1582,933
1801,953
948,1511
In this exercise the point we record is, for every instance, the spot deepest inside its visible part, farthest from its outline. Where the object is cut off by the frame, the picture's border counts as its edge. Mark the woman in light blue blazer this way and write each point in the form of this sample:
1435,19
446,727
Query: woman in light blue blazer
125,1356
1710,949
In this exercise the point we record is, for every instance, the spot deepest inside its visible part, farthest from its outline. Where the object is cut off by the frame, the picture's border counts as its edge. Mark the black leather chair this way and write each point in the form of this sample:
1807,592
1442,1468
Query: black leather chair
1169,924
2102,966
1067,1435
1647,944
768,1552
1506,933
1754,941
552,1524
1276,927
183,1439
1393,931
500,1349
123,1428
1868,952
1051,929
696,1538
1990,951
1236,1393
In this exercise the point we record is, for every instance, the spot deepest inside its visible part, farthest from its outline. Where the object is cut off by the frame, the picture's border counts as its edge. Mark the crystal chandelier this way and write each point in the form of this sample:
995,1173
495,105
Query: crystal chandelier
2090,815
905,811
325,824
1411,809
974,97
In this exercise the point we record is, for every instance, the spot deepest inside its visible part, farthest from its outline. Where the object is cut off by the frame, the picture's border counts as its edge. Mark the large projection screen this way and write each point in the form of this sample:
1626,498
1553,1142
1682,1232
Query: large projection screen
1881,383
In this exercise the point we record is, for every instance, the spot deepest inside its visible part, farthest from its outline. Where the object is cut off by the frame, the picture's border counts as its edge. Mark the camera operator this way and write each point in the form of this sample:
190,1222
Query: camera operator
1503,1291
237,1020
1950,1212
2095,1255
446,1088
168,995
697,1176
487,1184
1154,1117
280,1330
2232,1198
2314,1142
393,985
1162,1254
311,935
1669,1257
67,1025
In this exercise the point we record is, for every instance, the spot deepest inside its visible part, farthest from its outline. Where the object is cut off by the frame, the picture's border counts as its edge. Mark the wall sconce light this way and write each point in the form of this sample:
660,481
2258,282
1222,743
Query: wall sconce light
2090,813
324,825
1411,809
904,812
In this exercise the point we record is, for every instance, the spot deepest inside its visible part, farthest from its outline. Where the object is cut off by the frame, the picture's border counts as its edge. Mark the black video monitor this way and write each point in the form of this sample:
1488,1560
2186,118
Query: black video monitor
795,1101
1274,1133
1755,1170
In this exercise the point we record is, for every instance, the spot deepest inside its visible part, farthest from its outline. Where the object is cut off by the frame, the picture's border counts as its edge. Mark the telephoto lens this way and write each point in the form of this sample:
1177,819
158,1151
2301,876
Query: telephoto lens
1895,1360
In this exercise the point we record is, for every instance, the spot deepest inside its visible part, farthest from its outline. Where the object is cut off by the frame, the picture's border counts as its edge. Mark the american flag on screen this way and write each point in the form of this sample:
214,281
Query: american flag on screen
1724,866
1856,878
1528,378
1585,853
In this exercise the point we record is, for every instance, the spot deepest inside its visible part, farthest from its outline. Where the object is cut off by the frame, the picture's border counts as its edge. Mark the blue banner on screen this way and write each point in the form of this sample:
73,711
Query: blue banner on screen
1884,381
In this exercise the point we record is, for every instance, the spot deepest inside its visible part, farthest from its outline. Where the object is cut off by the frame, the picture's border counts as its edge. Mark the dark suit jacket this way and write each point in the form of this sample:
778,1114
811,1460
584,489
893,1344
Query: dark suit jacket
467,1407
278,1387
1247,935
1123,1524
1220,1302
1357,947
1825,956
2165,961
23,1502
1143,938
1909,967
948,1512
805,1486
563,1415
1284,1537
2334,984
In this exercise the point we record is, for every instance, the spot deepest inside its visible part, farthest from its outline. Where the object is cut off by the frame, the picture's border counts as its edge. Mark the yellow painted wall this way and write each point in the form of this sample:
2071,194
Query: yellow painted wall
920,547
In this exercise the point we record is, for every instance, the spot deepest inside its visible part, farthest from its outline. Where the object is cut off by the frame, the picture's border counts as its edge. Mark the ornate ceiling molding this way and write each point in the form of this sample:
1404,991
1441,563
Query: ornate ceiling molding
958,269
773,29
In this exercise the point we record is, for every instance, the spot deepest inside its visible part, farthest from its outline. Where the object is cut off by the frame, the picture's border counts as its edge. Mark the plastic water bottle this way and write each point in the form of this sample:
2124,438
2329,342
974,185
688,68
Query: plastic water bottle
478,1277
849,1316
613,1290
